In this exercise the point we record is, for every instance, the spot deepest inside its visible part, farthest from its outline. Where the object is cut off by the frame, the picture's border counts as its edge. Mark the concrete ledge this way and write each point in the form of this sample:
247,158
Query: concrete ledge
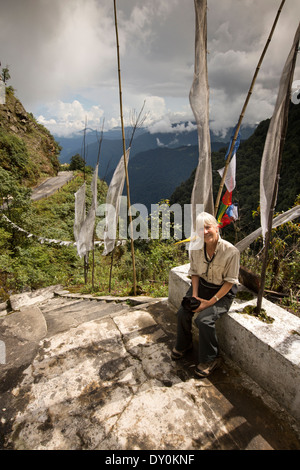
268,353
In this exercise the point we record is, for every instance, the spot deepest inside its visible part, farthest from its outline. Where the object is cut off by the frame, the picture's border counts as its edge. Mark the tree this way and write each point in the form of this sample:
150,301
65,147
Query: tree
77,162
5,74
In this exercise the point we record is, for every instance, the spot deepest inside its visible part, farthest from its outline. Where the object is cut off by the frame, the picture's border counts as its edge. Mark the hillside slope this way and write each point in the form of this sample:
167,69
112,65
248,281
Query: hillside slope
27,149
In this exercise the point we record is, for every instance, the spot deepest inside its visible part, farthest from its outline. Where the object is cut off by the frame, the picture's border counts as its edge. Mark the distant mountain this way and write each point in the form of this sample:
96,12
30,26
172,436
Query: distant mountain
155,174
112,147
159,162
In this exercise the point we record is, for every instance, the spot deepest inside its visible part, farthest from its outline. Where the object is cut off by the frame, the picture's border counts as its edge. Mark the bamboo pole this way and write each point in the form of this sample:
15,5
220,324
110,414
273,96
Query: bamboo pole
124,149
245,106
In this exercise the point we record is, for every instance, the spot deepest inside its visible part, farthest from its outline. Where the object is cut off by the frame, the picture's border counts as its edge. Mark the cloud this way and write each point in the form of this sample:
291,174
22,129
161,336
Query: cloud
69,118
60,52
168,126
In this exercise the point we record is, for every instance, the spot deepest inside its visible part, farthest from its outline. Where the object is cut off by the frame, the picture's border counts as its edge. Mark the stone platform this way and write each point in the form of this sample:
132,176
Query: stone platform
86,373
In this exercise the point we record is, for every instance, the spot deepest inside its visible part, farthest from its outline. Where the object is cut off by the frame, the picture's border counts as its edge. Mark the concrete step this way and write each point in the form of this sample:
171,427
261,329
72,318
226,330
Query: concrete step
65,313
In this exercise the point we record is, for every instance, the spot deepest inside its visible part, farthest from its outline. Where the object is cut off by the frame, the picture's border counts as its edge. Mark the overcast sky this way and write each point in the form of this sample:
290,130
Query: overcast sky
63,61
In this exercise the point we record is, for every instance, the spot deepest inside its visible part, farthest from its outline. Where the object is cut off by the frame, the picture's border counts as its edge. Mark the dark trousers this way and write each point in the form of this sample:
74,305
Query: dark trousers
205,321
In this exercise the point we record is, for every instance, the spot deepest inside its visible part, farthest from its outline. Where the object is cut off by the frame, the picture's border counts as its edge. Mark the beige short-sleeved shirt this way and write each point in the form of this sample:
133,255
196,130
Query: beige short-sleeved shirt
224,266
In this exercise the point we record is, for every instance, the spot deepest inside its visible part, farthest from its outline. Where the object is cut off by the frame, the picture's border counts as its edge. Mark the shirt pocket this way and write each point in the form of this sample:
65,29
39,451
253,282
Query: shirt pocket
217,271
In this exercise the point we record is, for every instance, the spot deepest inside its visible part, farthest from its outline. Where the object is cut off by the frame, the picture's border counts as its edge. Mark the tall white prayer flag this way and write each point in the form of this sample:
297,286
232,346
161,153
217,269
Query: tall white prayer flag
84,225
272,149
199,100
79,211
114,192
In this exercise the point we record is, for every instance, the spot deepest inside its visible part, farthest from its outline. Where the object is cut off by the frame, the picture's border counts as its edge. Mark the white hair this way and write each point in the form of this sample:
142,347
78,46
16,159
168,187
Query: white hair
204,218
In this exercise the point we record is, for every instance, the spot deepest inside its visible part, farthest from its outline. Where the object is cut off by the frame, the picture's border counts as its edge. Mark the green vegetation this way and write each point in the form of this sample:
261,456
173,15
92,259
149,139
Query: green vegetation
27,149
27,264
77,163
283,273
5,75
14,156
262,315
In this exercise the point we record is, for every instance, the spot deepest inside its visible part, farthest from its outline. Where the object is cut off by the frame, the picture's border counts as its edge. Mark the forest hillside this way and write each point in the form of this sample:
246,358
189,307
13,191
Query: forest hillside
246,193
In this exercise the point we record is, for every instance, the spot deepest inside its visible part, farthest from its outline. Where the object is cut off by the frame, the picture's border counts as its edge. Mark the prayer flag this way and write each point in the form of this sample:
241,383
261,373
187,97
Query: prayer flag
230,181
79,211
272,149
199,101
225,203
236,143
114,192
84,225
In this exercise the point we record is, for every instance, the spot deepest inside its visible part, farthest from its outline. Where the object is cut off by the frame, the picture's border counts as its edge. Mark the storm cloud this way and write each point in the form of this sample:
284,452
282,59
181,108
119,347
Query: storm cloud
62,59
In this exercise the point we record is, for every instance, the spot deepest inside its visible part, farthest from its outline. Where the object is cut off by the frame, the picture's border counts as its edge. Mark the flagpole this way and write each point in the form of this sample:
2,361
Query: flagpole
124,150
244,108
276,184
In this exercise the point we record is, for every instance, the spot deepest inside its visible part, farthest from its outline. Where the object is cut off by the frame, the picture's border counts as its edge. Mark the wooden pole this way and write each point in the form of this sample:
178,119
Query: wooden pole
244,108
124,150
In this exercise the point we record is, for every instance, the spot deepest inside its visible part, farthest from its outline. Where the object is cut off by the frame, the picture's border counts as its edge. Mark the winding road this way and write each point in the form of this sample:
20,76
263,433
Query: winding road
50,185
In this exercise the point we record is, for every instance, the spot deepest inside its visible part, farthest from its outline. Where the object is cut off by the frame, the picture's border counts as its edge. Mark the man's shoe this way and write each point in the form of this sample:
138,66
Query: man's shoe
204,370
175,355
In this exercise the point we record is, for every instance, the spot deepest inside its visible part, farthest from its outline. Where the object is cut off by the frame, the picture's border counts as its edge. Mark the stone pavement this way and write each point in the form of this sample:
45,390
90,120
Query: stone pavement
96,374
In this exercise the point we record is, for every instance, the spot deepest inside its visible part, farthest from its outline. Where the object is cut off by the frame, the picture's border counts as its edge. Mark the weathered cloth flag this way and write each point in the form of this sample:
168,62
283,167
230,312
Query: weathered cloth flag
273,144
202,193
236,143
79,211
230,179
114,192
199,101
84,224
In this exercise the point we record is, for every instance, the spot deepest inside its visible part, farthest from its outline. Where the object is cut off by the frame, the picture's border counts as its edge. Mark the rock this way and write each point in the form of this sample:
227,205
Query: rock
20,333
30,298
27,324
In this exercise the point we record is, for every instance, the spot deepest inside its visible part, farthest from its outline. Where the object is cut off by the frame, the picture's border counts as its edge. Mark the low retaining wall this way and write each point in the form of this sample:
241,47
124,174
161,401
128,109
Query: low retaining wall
268,352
